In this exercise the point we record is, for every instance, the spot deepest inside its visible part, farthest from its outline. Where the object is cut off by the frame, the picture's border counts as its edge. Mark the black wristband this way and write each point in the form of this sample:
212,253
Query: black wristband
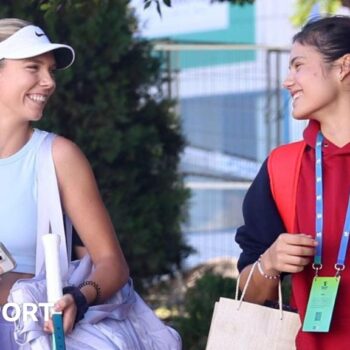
80,301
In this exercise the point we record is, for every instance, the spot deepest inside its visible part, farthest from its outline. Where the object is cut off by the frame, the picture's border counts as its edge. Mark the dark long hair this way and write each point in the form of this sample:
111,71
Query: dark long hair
329,35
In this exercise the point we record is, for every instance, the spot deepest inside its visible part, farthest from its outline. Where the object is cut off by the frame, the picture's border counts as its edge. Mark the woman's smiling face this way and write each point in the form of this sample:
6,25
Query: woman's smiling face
25,86
312,83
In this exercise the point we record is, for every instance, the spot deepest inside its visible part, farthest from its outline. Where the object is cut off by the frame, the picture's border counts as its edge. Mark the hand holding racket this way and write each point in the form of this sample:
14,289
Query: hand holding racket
51,243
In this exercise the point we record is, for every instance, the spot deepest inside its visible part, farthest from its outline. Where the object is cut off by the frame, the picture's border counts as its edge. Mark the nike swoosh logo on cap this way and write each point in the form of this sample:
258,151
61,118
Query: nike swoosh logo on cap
39,34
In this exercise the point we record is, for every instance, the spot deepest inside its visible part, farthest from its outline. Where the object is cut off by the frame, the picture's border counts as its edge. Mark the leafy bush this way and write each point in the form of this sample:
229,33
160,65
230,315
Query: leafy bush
111,104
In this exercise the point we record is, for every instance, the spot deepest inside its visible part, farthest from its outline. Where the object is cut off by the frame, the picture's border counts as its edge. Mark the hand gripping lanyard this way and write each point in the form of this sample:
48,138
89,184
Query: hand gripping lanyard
317,265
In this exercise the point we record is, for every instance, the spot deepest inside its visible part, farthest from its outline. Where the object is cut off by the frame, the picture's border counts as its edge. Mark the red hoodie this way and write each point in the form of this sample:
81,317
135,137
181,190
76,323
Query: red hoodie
336,190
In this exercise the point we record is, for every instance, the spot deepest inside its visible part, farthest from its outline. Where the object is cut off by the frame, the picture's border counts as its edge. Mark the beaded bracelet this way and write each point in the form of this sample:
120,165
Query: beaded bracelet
96,286
264,274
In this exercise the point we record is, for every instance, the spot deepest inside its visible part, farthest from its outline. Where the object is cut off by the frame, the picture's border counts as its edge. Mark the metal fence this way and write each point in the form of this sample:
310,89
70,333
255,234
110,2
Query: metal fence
233,112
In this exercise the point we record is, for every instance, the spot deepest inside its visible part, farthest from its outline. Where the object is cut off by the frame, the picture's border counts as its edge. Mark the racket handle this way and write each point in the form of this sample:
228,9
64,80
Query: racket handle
51,243
58,340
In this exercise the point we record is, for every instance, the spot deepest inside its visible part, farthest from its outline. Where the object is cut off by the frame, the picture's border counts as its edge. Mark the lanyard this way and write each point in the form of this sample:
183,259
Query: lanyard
340,265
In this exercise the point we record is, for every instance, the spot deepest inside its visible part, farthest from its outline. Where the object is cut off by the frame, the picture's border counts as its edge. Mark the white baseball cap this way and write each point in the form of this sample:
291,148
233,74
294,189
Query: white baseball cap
31,41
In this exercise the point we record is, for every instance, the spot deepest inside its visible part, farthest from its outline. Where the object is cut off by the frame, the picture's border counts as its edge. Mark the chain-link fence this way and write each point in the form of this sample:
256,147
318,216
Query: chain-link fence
233,111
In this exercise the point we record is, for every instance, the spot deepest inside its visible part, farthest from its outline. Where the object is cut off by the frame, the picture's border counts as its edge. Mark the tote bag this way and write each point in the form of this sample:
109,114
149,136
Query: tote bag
239,325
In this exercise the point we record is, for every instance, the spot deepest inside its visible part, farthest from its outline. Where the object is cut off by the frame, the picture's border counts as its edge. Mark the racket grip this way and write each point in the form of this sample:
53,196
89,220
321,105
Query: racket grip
51,243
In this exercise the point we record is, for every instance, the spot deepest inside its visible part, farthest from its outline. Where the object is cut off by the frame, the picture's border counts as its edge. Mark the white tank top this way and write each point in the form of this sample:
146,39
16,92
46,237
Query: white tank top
18,207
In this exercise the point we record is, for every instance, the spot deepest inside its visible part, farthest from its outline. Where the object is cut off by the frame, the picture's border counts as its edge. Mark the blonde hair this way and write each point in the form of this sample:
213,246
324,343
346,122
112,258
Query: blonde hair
9,26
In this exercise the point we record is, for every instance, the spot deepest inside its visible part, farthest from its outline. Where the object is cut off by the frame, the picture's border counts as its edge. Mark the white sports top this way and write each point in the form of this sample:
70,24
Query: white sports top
18,207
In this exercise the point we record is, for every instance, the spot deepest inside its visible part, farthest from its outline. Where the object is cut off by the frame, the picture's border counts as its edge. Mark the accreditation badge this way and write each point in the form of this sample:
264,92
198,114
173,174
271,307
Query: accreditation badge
321,303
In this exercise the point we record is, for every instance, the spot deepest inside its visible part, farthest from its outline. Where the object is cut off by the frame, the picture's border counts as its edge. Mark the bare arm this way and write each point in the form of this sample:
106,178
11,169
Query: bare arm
260,289
82,202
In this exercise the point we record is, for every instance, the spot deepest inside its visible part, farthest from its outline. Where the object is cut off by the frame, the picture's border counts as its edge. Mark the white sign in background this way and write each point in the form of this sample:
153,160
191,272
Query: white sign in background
183,17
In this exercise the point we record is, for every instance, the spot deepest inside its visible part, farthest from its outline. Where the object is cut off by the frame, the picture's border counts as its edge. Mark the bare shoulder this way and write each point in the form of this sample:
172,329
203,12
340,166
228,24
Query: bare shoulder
65,150
70,161
76,180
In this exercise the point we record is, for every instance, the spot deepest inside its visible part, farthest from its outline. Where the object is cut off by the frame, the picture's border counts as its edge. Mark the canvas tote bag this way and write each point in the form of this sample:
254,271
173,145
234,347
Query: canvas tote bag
239,325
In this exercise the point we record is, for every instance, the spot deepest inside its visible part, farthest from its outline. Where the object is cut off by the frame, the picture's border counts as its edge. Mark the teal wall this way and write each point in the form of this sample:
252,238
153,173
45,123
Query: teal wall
241,30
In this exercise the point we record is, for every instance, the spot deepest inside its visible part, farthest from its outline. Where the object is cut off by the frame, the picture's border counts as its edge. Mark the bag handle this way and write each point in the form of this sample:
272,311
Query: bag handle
50,216
280,303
